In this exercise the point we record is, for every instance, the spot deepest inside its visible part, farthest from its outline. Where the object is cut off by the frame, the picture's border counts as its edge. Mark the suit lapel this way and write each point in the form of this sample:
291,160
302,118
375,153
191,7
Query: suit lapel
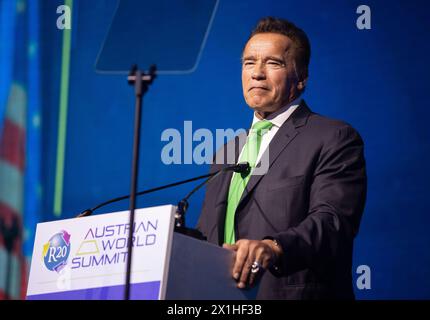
286,133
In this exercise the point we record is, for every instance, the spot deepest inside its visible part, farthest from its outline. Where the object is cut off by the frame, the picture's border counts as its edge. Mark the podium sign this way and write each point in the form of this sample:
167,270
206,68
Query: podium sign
85,258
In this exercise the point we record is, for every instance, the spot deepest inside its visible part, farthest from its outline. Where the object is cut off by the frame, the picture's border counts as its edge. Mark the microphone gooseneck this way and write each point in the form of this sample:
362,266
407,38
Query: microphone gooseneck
240,168
183,205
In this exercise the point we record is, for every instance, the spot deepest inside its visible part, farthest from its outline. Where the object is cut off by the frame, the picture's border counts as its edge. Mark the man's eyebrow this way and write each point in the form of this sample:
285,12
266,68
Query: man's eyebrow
253,58
249,58
279,59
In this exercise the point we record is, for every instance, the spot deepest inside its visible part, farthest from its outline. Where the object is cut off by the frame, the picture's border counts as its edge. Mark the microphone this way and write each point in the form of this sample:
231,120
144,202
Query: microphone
240,168
183,205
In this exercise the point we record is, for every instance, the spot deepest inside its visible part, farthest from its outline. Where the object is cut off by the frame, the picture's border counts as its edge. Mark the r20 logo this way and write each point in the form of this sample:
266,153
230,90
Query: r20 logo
56,251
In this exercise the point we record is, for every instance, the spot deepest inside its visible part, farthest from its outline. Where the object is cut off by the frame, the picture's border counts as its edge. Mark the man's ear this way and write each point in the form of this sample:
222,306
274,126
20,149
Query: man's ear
302,84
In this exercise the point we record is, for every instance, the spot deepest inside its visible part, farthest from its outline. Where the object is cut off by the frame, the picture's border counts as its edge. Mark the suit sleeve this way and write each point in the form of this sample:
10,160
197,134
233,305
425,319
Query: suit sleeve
337,197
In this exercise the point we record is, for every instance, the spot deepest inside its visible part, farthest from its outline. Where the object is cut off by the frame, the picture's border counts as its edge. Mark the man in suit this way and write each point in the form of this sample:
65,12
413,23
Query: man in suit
297,217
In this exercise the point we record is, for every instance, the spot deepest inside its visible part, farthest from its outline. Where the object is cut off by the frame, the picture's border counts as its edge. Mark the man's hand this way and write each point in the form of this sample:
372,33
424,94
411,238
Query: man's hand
264,252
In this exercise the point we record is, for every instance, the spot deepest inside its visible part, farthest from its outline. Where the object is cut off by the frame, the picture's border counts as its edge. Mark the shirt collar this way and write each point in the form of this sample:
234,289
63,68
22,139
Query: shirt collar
280,116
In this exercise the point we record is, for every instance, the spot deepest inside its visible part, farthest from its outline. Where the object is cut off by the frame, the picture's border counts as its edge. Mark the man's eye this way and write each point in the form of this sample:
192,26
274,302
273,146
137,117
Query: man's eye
275,63
248,63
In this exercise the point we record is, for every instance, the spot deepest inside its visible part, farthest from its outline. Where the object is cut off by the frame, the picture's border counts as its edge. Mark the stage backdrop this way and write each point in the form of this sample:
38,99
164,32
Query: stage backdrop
375,79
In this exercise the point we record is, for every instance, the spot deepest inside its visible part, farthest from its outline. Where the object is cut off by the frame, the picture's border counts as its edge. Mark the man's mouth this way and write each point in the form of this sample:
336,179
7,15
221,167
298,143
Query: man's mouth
258,88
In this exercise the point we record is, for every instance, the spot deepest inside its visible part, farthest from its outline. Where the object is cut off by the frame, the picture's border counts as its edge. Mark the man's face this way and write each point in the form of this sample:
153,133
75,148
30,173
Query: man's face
269,78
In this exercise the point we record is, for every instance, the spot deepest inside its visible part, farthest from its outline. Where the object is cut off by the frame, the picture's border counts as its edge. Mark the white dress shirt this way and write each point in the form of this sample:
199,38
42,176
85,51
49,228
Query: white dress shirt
277,119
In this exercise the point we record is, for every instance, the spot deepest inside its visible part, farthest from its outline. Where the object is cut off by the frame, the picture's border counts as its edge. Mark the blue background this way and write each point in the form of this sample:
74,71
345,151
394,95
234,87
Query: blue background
376,80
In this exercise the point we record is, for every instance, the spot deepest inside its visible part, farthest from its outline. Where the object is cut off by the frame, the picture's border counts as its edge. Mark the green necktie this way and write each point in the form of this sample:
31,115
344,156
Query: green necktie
239,181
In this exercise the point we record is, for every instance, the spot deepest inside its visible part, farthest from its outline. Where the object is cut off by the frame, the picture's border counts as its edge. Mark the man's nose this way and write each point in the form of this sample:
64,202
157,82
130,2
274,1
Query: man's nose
258,72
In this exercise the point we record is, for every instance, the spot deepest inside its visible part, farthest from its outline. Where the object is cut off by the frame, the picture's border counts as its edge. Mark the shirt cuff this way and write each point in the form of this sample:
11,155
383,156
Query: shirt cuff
275,268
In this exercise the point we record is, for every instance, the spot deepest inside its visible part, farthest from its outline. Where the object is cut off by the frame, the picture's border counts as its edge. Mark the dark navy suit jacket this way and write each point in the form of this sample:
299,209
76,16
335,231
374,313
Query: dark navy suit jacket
311,200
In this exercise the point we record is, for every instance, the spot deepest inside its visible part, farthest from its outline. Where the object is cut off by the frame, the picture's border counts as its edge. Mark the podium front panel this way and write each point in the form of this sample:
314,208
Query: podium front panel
85,258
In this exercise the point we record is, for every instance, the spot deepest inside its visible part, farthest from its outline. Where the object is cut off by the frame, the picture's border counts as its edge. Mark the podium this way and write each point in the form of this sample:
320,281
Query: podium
85,259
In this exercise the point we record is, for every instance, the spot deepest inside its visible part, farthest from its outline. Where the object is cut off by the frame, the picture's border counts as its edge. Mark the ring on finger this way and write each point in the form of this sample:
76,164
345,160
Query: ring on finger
255,267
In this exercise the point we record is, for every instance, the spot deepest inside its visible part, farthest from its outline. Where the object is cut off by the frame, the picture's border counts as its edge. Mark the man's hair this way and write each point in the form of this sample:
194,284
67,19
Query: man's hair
302,47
